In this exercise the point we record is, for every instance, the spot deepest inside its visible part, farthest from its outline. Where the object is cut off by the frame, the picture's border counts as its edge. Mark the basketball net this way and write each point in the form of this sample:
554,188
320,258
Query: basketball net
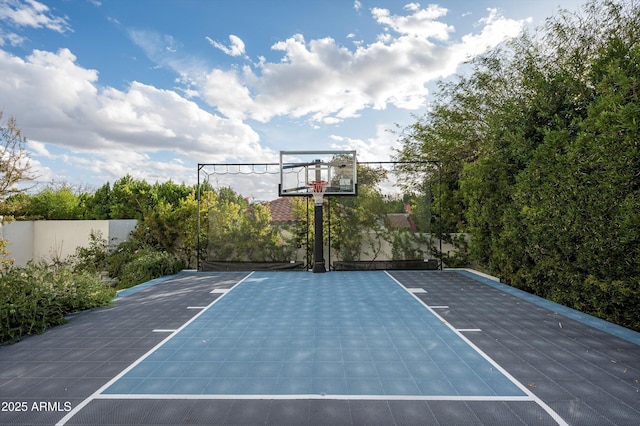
319,187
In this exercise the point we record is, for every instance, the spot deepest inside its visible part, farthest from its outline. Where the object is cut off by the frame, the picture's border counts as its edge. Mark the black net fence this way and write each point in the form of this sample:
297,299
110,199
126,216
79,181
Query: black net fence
389,224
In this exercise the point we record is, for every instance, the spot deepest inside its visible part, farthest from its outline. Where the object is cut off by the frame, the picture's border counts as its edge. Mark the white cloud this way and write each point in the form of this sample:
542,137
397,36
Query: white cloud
495,29
167,52
39,149
357,5
225,90
383,145
412,6
138,165
373,150
42,174
57,101
157,46
421,23
117,131
324,82
32,13
12,38
236,48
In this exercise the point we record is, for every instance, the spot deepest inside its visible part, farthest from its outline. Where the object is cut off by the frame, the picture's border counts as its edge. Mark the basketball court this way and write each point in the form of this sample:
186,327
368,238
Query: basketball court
375,347
387,347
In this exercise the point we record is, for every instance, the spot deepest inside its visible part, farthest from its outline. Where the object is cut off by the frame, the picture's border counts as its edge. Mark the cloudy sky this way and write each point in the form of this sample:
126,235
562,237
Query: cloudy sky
102,88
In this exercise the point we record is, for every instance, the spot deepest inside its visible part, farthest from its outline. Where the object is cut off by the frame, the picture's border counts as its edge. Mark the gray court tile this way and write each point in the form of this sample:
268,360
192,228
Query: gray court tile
453,413
495,414
282,412
172,412
371,413
210,411
586,375
619,414
411,413
14,387
94,412
248,412
576,412
129,412
330,412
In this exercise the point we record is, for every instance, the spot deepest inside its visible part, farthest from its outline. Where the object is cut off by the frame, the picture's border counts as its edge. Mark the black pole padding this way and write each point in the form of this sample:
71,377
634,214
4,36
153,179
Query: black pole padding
318,243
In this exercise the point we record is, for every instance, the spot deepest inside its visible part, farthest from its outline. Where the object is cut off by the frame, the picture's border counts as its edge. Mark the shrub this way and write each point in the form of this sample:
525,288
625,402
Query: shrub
38,296
130,263
147,265
93,258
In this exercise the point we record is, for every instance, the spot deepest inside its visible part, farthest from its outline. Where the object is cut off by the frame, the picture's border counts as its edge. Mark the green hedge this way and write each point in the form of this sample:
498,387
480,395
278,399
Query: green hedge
147,265
38,296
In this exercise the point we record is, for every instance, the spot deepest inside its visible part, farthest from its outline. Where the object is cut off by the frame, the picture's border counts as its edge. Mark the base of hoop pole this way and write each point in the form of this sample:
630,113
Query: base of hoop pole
318,243
319,268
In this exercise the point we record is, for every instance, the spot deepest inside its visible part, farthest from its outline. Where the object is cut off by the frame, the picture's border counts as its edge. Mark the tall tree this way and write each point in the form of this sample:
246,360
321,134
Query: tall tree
97,206
130,198
54,204
15,162
541,141
15,168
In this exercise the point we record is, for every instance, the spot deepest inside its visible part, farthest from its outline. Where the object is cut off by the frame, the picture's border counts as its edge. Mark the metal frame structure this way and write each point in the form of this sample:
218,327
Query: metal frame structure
266,166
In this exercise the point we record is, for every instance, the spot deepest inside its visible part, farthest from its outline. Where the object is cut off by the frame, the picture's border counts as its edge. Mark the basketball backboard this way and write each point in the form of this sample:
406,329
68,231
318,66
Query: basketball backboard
299,169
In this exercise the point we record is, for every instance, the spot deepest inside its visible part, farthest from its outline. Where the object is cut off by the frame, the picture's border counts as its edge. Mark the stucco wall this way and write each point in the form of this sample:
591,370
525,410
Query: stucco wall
58,239
19,236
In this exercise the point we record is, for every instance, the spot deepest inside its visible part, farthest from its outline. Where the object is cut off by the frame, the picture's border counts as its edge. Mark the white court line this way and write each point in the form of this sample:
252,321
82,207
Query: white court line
439,307
196,307
468,329
96,394
161,330
222,290
488,398
417,290
540,402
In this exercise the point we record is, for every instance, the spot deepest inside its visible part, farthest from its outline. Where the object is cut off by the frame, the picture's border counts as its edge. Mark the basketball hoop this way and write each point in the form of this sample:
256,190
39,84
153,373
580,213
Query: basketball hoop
319,187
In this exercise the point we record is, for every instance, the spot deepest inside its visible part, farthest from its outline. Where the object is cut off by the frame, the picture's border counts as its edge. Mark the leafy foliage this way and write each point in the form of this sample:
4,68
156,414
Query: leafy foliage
93,258
240,232
38,296
147,265
541,161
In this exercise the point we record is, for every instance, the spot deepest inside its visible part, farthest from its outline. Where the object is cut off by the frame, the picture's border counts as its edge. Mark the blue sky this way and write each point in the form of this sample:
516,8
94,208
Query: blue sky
102,88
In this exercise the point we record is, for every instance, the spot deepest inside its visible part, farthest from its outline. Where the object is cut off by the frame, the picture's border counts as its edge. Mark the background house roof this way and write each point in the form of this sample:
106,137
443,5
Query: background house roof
281,210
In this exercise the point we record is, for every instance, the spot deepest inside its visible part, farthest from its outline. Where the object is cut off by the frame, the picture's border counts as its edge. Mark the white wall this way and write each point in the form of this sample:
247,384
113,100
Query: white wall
57,239
19,236
119,230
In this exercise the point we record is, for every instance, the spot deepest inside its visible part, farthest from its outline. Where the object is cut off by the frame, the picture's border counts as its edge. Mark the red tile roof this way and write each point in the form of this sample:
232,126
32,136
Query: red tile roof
401,220
281,210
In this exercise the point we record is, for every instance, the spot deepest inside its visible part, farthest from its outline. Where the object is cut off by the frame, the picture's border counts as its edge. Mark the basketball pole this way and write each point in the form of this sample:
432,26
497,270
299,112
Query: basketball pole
318,241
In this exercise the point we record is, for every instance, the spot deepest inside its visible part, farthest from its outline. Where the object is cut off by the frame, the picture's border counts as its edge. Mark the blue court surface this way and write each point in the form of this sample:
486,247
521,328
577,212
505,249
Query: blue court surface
346,333
371,347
